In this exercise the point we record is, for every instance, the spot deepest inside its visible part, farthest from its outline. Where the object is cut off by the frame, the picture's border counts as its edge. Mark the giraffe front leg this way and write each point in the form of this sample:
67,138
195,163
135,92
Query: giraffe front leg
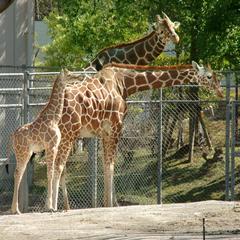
109,147
66,205
21,163
60,162
108,184
51,154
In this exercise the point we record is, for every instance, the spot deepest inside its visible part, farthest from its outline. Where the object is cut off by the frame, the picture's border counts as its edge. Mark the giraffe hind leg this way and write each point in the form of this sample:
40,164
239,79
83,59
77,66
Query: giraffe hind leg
21,163
50,160
60,163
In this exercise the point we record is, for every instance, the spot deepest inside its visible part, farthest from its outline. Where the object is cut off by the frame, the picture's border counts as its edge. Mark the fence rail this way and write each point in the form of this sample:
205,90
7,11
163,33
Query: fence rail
156,161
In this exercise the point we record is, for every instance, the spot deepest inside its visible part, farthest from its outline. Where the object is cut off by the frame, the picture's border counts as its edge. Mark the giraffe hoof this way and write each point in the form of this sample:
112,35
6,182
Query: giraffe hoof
51,210
66,208
16,211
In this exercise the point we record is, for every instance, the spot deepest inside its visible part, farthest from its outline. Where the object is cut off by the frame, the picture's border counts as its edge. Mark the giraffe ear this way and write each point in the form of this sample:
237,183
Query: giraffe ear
66,72
176,25
158,18
62,72
209,66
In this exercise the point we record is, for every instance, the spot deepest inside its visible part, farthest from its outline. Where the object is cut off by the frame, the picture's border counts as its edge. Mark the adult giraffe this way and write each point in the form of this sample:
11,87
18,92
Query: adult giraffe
140,52
97,106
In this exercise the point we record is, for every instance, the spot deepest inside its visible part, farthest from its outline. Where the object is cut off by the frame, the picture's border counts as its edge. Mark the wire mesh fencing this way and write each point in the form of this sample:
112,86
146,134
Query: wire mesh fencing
172,149
11,86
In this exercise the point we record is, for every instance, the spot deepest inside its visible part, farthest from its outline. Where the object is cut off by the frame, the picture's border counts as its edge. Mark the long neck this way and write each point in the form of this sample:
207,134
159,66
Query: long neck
135,81
140,52
152,47
53,109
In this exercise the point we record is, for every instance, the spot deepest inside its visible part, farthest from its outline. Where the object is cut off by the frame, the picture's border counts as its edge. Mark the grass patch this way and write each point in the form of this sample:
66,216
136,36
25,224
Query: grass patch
136,175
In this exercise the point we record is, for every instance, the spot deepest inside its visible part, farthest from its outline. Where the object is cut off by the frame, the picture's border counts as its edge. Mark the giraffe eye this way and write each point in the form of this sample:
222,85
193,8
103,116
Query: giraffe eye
209,77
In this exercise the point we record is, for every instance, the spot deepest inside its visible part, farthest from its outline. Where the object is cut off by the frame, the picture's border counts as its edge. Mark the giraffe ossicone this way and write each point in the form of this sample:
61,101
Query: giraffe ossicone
98,107
175,25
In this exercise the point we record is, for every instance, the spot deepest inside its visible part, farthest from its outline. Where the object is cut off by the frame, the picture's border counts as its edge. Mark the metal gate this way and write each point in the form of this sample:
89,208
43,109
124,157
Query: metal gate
232,136
11,116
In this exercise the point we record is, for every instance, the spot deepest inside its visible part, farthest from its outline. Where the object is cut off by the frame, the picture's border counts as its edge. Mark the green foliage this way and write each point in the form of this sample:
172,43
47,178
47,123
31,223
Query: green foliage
209,29
82,30
221,34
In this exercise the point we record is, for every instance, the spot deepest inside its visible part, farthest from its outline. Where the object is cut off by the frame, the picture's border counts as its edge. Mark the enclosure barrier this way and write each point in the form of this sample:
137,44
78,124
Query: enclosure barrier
158,161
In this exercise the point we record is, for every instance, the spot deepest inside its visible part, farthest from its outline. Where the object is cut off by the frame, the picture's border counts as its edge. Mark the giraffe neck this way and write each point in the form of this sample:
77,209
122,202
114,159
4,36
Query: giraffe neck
136,81
153,46
53,109
140,52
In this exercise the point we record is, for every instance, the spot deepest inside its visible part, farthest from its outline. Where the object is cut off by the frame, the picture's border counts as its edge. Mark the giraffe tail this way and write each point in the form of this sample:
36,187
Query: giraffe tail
8,153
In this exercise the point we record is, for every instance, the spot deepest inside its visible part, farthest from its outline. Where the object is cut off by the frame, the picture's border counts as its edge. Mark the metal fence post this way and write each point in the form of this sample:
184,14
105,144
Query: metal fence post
233,143
26,97
93,157
160,145
23,190
227,138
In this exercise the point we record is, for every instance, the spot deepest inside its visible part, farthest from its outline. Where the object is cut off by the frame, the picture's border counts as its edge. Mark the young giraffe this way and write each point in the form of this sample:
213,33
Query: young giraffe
43,133
142,51
97,107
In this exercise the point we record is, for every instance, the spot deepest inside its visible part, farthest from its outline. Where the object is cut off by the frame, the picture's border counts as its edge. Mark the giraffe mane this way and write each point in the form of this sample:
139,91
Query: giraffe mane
143,67
120,45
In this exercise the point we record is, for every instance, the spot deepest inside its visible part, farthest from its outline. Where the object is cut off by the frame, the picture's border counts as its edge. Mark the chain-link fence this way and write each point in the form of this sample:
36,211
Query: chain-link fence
172,148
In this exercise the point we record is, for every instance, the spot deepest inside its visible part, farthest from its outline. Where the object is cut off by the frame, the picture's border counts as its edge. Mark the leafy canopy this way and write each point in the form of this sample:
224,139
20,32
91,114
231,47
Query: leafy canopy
209,29
82,29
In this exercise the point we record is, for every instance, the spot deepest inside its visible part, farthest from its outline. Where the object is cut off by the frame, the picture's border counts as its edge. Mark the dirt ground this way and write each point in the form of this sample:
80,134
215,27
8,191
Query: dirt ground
170,221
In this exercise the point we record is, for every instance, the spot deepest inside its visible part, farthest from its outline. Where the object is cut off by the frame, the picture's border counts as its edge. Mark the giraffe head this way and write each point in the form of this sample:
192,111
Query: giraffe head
166,27
208,78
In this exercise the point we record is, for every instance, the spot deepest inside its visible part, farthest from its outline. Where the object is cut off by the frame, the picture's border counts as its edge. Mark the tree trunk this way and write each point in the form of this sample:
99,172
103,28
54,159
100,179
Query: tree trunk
194,111
205,132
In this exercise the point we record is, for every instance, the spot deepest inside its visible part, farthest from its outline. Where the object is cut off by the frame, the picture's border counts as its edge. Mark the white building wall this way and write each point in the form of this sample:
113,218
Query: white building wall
16,34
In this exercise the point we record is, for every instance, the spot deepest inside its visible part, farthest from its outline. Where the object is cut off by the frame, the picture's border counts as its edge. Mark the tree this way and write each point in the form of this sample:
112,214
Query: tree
222,33
209,29
86,27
